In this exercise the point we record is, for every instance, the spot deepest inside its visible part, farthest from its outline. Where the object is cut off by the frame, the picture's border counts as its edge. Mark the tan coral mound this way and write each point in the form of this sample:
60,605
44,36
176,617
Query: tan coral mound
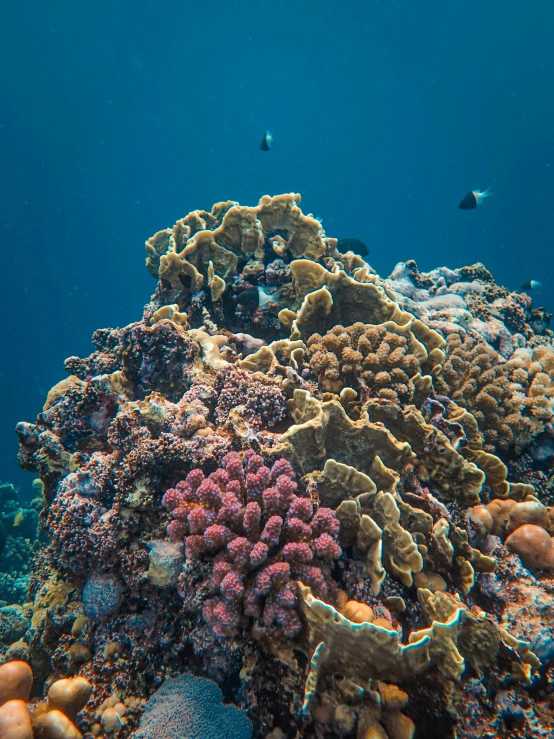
534,545
377,358
51,719
510,400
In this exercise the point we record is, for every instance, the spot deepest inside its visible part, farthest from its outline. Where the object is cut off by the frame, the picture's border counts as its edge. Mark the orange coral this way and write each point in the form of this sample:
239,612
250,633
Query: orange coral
534,545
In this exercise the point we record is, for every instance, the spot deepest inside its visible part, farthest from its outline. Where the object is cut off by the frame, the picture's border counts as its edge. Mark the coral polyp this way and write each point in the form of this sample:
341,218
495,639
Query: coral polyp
329,492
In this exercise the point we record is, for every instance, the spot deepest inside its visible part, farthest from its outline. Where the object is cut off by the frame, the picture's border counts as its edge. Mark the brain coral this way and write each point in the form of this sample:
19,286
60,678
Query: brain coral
188,707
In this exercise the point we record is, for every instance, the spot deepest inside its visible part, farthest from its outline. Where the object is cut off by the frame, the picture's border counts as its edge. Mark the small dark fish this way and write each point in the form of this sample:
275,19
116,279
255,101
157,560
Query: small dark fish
355,245
267,140
249,298
531,285
185,280
473,199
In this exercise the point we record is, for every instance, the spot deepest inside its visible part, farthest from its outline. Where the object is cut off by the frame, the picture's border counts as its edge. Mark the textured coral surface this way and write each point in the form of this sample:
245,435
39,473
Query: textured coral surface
329,492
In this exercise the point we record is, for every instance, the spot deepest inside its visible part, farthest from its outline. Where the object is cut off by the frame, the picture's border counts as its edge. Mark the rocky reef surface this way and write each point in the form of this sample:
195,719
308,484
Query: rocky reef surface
328,492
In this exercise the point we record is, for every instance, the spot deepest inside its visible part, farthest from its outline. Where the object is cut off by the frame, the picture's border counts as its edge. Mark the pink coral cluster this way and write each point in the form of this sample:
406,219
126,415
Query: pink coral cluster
264,534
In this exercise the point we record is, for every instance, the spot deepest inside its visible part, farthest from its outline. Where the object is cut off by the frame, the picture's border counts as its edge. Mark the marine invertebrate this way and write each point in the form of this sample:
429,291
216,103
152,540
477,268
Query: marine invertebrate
510,400
101,596
264,534
191,707
377,360
18,542
255,398
50,719
534,545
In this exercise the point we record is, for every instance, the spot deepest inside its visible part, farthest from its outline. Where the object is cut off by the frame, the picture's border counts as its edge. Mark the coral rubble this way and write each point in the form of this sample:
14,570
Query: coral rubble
328,492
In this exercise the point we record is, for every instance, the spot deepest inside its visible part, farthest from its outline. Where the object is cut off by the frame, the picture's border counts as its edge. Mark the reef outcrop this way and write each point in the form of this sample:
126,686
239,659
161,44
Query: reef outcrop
327,491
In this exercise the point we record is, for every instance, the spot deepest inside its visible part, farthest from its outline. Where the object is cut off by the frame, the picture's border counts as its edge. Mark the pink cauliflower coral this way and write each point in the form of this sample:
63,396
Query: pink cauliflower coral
263,532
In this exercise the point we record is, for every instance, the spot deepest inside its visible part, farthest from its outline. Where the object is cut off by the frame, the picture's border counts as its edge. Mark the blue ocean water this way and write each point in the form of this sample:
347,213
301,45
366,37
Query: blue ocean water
117,118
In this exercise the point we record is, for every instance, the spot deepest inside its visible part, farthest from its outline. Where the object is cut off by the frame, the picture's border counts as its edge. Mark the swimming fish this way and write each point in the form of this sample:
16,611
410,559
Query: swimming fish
267,140
531,285
248,298
18,518
473,199
254,297
355,245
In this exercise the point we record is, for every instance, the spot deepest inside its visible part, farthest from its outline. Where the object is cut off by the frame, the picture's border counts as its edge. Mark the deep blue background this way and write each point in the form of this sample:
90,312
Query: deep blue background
118,117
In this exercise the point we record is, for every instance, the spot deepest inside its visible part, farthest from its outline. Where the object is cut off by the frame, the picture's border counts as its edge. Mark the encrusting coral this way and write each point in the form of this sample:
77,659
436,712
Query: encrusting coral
284,479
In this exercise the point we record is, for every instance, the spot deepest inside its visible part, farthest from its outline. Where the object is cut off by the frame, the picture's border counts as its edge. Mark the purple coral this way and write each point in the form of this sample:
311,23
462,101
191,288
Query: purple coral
261,402
263,531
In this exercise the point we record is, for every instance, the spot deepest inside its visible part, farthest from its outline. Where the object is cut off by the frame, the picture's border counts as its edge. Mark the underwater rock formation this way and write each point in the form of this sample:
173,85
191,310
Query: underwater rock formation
328,492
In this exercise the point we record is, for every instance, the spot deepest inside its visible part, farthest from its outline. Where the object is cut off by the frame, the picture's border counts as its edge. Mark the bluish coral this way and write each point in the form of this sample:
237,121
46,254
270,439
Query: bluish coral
189,707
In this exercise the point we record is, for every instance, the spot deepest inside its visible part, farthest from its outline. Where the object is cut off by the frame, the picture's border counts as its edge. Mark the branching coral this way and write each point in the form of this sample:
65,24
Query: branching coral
264,534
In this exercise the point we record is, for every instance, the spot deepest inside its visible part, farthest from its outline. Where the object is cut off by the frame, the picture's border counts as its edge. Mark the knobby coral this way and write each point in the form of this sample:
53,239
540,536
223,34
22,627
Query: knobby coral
377,359
264,534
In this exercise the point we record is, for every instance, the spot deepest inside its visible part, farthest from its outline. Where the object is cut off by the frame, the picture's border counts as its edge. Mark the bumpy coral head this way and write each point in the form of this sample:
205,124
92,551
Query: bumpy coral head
260,530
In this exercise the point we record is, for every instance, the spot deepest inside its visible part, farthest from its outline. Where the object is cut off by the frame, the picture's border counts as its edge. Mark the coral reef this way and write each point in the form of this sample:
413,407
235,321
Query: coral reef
377,360
511,400
328,492
18,541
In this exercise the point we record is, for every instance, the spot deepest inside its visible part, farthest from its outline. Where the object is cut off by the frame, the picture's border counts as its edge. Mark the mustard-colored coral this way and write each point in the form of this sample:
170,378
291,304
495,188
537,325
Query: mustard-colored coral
510,400
322,430
231,232
382,361
365,652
